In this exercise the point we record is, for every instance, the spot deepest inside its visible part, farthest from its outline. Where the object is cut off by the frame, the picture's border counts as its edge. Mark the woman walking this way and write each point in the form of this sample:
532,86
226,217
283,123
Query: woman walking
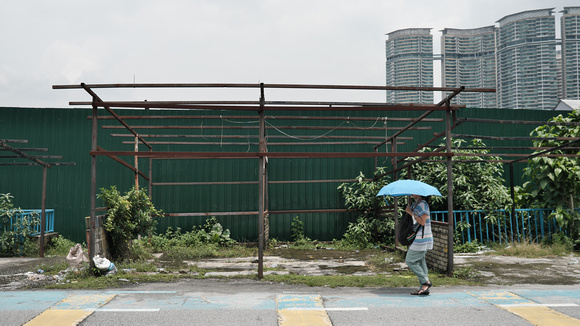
423,241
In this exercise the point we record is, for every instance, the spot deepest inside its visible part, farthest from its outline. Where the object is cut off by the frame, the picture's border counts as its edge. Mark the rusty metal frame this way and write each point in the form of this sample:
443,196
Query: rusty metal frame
261,107
35,161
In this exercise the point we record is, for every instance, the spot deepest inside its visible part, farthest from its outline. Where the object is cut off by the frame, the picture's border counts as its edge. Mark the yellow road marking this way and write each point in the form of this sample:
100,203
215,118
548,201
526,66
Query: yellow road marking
59,317
71,310
301,310
540,315
529,310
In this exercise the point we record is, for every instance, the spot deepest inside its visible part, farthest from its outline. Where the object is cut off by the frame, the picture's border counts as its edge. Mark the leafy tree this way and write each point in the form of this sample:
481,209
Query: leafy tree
554,182
477,185
362,196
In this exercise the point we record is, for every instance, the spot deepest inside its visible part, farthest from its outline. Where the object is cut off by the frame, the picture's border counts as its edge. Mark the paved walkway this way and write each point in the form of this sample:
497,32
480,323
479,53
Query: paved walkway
196,303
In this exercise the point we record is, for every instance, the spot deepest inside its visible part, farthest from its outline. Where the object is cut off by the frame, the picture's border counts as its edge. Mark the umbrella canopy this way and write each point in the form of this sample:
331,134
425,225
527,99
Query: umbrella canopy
407,188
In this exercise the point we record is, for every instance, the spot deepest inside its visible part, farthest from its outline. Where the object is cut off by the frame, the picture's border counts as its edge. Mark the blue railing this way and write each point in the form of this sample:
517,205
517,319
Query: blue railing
531,225
49,227
29,214
29,219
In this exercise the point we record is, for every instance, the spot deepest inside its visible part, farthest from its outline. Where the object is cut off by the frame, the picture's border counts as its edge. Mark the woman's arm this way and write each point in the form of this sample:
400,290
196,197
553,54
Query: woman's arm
420,219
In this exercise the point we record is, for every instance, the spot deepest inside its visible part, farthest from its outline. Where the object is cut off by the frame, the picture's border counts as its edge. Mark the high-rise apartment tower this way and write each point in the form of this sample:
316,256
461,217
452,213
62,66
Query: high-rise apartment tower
526,60
409,54
570,26
468,59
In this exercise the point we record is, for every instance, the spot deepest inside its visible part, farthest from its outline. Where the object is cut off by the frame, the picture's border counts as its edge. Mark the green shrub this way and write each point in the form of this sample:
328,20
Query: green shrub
297,229
60,246
358,234
467,247
128,217
369,228
211,232
30,248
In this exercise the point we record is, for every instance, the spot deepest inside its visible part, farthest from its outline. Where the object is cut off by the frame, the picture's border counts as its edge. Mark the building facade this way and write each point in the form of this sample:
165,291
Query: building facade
468,59
409,62
570,27
526,60
520,56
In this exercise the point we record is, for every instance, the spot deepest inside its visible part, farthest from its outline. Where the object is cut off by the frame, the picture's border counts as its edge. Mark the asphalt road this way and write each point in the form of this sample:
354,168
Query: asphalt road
248,302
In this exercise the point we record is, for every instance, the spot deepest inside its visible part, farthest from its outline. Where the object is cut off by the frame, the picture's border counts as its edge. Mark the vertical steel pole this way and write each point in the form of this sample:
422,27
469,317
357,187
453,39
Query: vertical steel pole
42,213
395,163
513,197
93,217
151,176
136,163
261,184
449,190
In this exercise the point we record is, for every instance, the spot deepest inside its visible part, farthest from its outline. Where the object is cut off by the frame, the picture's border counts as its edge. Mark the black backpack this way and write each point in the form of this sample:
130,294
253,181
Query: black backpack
407,233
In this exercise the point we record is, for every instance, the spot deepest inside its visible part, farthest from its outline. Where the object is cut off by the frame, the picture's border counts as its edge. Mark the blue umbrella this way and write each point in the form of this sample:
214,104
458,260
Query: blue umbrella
407,188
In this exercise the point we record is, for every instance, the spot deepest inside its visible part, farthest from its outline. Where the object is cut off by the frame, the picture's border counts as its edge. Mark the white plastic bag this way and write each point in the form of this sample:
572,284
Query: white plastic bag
76,256
104,265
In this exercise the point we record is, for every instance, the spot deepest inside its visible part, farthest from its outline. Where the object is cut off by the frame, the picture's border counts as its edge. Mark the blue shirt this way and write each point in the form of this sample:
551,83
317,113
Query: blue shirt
424,239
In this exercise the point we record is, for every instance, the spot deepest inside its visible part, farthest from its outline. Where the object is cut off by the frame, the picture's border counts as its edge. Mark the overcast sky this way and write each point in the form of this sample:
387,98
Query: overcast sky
44,43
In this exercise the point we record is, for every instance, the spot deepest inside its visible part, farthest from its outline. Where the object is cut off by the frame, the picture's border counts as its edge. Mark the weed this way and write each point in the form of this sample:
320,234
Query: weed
298,232
60,246
466,273
53,268
384,262
530,250
467,247
30,248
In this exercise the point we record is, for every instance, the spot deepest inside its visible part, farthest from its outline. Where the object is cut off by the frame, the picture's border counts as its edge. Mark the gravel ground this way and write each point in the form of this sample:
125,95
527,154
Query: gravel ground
19,273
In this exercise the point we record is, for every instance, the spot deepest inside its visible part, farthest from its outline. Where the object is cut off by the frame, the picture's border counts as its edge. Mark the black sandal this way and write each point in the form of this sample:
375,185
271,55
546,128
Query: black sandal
420,292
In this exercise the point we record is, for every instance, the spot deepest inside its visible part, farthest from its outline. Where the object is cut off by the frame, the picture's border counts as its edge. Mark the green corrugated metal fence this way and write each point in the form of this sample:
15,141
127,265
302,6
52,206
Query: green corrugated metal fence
67,132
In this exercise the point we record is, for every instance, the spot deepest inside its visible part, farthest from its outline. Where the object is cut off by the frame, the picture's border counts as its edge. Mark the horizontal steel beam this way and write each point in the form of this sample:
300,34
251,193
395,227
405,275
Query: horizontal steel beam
294,211
214,183
270,117
231,155
381,107
268,127
256,143
269,137
265,86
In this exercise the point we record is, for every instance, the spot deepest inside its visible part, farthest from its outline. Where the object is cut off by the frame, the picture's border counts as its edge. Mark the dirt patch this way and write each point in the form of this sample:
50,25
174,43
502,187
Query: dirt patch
508,270
320,254
20,272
